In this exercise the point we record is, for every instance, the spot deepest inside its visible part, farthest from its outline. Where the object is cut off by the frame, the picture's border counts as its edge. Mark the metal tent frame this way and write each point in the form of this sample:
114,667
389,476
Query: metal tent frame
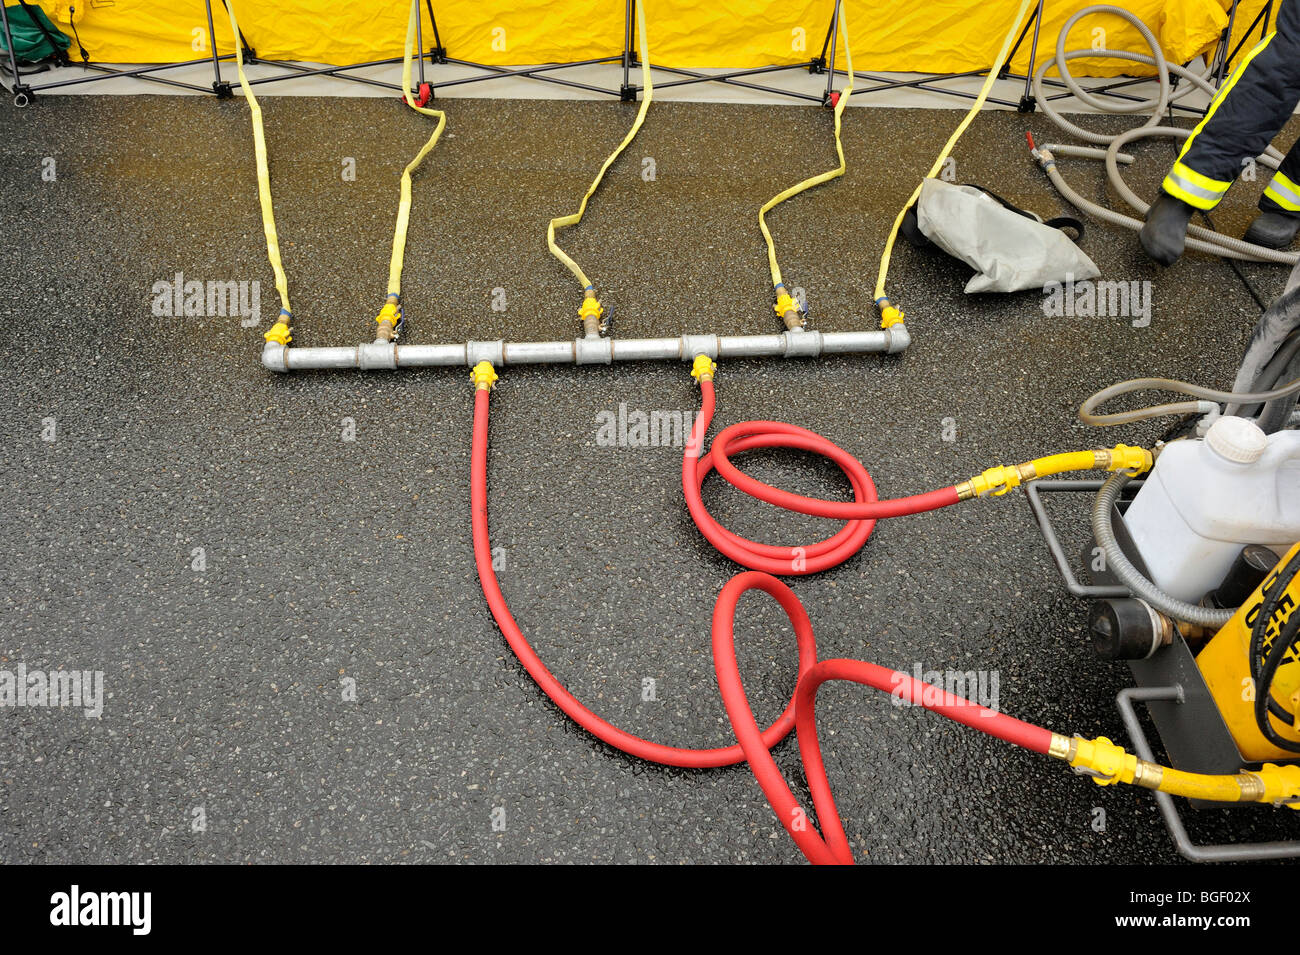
437,55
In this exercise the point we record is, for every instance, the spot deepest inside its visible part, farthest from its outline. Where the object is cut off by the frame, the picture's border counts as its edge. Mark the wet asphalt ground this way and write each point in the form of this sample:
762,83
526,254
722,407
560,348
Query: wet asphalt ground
241,552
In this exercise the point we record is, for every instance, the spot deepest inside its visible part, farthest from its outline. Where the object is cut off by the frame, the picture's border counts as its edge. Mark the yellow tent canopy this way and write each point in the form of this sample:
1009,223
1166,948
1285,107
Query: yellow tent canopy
940,36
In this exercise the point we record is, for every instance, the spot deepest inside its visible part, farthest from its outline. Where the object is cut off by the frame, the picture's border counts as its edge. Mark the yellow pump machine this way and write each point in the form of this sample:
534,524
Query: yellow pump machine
1252,667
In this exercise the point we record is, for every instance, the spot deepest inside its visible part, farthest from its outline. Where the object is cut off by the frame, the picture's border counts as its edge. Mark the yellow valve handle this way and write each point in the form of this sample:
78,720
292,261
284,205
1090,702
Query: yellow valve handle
704,368
590,307
784,303
484,376
890,316
279,332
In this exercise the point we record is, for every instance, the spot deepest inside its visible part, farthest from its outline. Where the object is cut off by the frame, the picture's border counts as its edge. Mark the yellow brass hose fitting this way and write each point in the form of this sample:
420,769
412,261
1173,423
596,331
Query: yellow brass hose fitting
1280,785
590,314
389,317
1124,457
788,310
279,332
1104,761
484,376
889,314
1061,747
995,481
784,303
704,368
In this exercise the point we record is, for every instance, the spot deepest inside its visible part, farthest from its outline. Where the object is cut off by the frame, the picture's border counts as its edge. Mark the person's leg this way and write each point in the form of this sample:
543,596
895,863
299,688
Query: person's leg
1164,234
1255,102
1279,206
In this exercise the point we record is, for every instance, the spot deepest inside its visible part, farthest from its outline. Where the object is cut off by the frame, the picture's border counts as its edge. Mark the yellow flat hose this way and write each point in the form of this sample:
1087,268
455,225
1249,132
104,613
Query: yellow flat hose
574,218
1199,786
264,177
948,147
822,177
1064,462
404,206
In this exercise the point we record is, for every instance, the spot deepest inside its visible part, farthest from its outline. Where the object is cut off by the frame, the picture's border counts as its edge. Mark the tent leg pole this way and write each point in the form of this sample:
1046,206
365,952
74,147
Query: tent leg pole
419,39
629,13
219,86
830,72
1027,99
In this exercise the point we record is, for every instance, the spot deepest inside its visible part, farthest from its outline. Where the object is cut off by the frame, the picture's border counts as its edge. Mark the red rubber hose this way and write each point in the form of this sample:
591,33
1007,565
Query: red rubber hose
831,845
860,514
572,707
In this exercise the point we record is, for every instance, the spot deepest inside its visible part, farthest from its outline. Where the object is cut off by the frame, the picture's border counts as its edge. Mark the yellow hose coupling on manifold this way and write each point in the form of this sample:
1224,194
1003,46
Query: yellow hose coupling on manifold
784,303
279,332
704,368
484,376
390,313
590,308
890,315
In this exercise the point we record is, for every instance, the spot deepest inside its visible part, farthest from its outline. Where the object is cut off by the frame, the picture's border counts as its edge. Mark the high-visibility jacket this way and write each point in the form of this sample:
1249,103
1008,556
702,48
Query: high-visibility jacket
1244,116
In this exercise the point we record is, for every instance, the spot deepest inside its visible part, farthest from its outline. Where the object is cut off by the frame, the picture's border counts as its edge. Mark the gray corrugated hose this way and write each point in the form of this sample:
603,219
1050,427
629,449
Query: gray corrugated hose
1201,239
1129,575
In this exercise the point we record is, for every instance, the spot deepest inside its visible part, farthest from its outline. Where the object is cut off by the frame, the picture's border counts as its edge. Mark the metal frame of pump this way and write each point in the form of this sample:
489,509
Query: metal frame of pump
1167,682
1100,759
627,58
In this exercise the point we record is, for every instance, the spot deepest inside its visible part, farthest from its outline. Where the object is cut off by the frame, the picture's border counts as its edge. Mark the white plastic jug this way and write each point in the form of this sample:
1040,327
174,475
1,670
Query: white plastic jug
1206,499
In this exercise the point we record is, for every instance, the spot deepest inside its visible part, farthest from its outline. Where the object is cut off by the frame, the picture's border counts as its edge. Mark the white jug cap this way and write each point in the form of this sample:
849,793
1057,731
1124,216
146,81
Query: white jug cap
1237,439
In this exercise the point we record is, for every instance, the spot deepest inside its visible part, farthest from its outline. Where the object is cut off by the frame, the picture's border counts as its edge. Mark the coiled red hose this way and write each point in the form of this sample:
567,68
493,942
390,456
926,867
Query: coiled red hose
861,514
831,846
572,707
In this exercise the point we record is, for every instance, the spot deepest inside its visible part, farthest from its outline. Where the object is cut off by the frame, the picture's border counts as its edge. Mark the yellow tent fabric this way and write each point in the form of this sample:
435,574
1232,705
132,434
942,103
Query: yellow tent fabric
895,35
1247,10
925,36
